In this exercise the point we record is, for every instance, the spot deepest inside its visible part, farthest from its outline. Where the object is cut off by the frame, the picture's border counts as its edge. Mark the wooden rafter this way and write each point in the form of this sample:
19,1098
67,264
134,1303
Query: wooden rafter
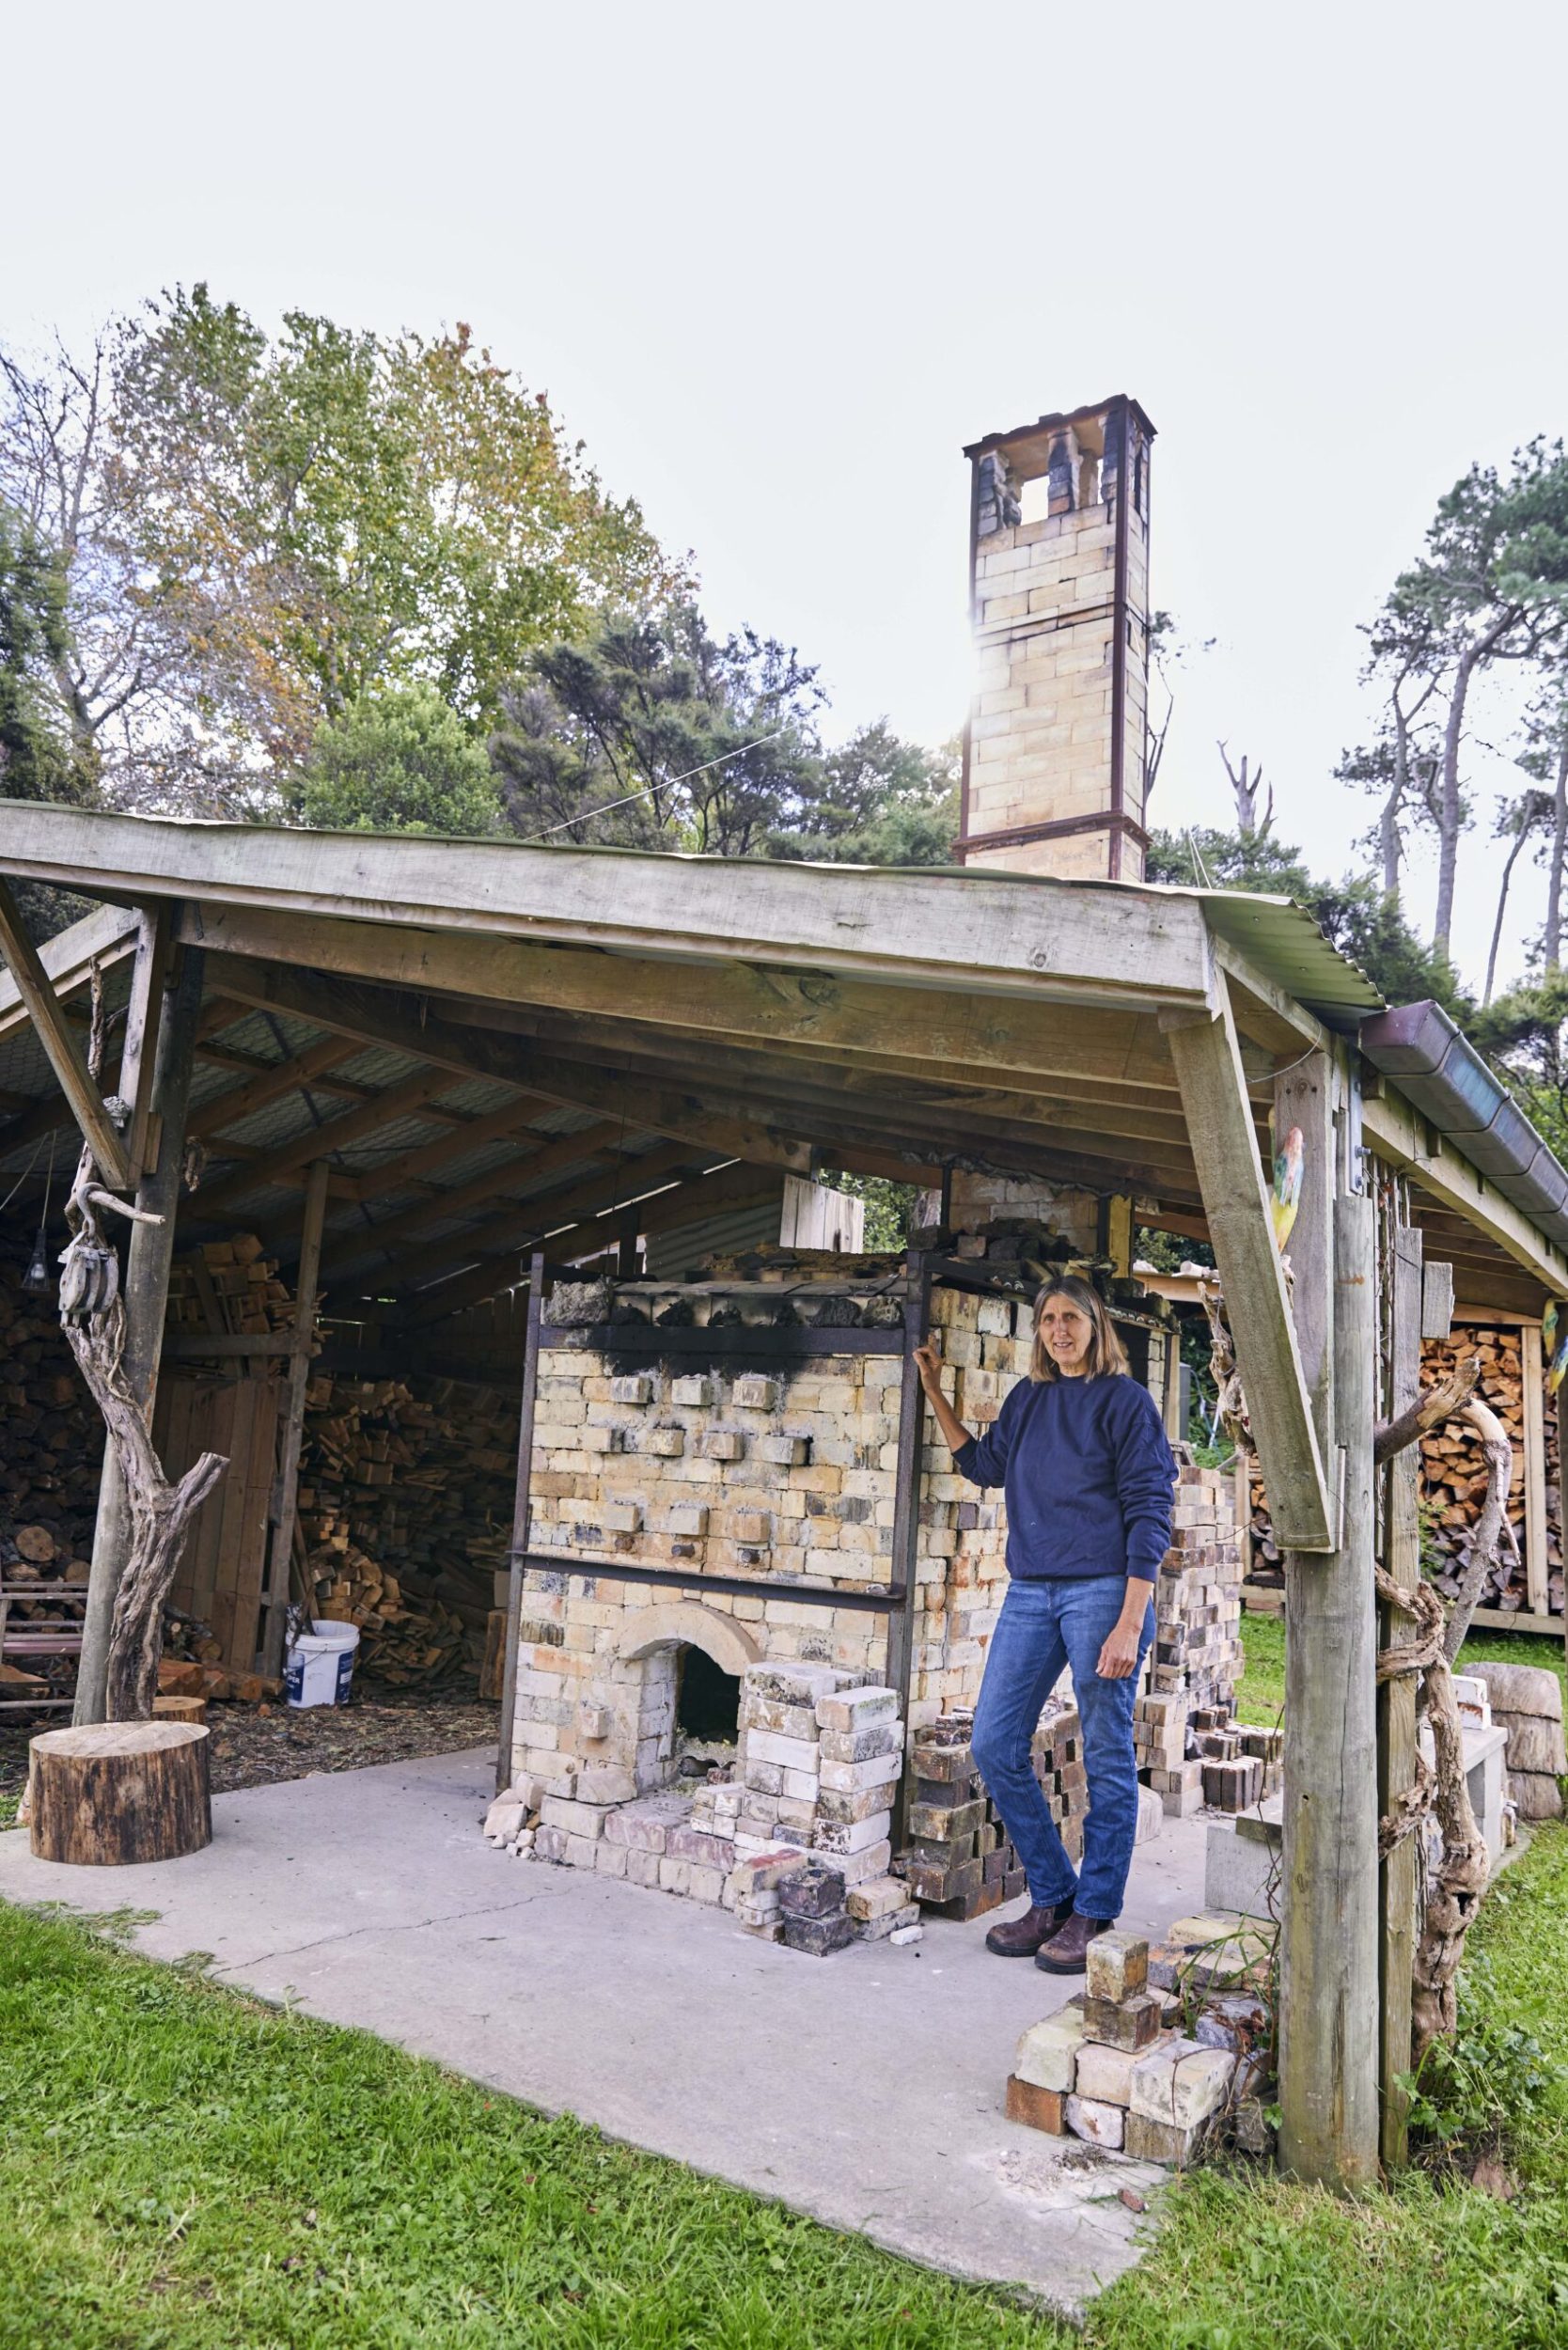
35,990
1236,1202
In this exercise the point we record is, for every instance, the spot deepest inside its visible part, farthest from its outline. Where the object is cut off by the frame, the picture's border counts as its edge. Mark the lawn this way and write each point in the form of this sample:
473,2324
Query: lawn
1261,1695
182,2169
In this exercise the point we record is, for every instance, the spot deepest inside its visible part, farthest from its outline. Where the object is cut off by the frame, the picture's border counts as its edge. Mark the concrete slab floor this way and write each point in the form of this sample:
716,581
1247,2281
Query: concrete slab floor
865,2088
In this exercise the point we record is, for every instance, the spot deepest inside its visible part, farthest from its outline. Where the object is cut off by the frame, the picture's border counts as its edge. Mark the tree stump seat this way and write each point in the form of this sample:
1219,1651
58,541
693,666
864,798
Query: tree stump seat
106,1794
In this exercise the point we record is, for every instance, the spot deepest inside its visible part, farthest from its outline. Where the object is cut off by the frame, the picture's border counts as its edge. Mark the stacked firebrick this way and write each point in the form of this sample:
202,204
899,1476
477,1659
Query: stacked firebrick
1117,2065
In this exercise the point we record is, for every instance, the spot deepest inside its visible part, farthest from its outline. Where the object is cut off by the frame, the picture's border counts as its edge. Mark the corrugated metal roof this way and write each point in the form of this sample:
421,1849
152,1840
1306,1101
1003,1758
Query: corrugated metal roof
1289,947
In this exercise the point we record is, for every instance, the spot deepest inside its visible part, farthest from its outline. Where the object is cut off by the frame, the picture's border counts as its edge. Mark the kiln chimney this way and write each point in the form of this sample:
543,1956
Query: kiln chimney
1056,753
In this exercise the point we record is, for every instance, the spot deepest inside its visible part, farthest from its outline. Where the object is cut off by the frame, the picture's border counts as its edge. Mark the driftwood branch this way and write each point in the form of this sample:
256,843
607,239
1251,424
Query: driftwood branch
1431,1405
1494,1520
159,1514
1455,1885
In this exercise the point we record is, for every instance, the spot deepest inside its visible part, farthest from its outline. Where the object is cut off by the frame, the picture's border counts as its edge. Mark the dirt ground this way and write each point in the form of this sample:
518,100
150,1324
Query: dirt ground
251,1746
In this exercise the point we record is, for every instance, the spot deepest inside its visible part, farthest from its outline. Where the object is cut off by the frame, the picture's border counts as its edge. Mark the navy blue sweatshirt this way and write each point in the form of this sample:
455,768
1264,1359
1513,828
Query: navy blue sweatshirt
1087,1474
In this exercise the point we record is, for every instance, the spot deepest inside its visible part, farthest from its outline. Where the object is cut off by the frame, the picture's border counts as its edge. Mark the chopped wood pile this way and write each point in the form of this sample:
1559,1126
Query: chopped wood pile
1454,1472
405,1508
51,1458
229,1286
1453,1477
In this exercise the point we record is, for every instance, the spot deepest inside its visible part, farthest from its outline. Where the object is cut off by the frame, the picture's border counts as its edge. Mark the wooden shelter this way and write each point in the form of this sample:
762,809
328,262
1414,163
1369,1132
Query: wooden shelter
414,1061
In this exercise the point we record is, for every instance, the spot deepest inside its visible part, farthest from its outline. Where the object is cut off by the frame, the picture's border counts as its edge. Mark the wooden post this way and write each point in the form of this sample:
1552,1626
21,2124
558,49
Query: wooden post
1396,1700
1328,2010
520,1517
1279,1387
286,1508
54,1032
139,1053
147,1289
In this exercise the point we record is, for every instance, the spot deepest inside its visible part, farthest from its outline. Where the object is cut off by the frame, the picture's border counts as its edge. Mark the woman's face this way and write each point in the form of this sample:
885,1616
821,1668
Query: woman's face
1068,1334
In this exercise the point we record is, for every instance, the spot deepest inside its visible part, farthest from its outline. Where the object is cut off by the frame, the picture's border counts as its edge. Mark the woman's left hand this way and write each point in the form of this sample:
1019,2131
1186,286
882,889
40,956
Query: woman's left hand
1118,1656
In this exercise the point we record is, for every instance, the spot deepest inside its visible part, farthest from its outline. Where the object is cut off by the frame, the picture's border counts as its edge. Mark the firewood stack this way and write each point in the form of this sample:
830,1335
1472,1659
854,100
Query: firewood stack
425,1482
51,1457
230,1285
1453,1477
1453,1469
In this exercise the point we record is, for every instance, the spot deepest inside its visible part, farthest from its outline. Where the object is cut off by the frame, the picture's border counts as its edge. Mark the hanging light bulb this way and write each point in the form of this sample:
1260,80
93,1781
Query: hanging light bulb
37,1276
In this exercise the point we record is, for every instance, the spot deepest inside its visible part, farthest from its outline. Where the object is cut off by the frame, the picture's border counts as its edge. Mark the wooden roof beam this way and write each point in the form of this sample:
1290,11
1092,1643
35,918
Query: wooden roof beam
1085,941
35,990
1207,1056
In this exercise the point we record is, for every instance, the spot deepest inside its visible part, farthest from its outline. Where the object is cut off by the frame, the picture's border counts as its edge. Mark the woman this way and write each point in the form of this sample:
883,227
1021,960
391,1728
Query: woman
1081,1451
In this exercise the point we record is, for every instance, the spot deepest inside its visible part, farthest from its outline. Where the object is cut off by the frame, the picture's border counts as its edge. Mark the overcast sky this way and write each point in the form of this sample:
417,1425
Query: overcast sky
777,264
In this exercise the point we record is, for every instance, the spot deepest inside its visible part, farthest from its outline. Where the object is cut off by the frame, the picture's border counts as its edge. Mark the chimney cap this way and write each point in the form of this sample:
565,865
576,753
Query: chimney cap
1029,444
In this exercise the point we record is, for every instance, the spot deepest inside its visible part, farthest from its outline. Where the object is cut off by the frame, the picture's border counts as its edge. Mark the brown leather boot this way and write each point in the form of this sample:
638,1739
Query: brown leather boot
1065,1953
1023,1936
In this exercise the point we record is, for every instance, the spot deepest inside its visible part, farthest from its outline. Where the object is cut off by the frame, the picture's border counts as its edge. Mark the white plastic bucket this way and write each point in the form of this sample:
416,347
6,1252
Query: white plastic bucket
318,1668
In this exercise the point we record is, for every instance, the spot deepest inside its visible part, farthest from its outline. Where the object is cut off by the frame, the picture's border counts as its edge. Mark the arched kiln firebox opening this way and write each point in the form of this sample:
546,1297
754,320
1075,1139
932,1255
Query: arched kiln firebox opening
707,1702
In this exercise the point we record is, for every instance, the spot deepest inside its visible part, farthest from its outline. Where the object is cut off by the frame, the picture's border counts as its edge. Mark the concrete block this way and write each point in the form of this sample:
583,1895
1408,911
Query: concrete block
752,1392
642,1867
1102,2124
783,1452
706,1885
635,1388
594,1721
550,1844
791,1683
645,1827
800,1787
817,1938
612,1860
1238,1871
582,1852
1047,2054
724,1444
689,1518
504,1820
783,1721
1117,1965
844,1809
695,1392
710,1852
675,1876
665,1444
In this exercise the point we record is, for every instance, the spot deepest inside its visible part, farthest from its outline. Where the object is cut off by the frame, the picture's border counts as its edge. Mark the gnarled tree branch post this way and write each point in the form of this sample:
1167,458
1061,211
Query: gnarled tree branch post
147,1281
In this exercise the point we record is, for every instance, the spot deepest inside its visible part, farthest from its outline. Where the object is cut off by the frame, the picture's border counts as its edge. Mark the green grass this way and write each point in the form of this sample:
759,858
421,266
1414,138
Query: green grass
182,2169
1261,1695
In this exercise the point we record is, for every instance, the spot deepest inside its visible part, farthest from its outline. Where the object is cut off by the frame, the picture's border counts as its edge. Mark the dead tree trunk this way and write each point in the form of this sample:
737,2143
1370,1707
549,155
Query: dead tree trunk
93,1316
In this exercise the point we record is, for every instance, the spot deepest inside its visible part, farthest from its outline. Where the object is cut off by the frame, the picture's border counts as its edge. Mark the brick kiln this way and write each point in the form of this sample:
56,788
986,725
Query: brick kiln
755,1586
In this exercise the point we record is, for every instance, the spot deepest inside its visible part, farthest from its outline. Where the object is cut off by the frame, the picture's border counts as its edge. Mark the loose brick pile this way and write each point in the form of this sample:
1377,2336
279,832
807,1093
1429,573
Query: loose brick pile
1116,2068
1527,1701
959,1860
797,1844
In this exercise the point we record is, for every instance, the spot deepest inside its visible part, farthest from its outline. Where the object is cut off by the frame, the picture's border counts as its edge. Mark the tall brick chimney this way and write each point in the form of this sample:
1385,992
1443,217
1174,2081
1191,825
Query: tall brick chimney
1056,752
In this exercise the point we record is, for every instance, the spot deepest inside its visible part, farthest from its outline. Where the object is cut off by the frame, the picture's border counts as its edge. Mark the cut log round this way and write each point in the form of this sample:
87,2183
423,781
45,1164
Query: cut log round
111,1793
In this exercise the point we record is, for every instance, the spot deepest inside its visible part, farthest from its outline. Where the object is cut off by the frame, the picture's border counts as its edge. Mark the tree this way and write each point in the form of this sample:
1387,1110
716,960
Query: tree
654,734
1519,822
35,761
1354,913
256,530
1491,587
1545,759
1245,788
399,760
883,802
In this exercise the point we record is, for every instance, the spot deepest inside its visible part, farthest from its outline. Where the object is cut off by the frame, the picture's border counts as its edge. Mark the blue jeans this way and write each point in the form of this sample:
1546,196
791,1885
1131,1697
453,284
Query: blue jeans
1043,1627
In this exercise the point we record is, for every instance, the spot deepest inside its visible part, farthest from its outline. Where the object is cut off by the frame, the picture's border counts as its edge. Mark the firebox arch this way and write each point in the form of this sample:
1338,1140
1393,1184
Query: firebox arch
684,1623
